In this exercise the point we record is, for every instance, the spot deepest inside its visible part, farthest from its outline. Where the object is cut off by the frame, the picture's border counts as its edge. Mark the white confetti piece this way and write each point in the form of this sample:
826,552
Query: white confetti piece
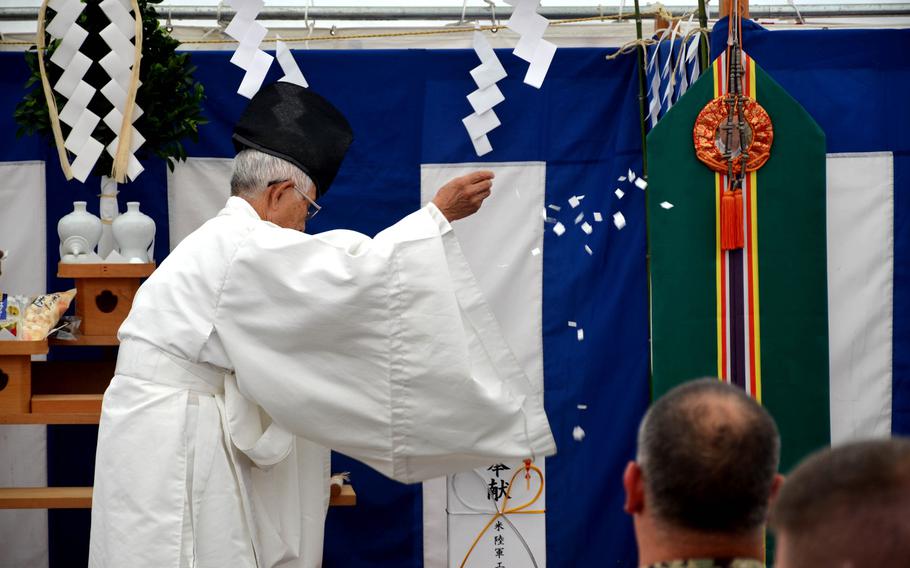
581,334
574,201
543,213
554,208
641,183
587,228
578,434
582,407
619,220
589,251
535,252
573,324
579,217
619,193
666,205
621,178
598,217
559,229
631,175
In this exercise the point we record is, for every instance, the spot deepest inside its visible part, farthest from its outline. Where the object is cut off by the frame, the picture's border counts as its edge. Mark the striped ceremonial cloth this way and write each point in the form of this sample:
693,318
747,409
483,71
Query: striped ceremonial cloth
755,316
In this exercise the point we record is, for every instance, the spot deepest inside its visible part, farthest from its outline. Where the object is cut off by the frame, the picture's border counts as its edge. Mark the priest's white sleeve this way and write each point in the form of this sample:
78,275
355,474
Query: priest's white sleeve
383,349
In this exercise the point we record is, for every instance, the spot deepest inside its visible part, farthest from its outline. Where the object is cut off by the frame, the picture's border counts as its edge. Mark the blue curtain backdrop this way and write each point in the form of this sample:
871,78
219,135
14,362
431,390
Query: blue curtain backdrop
406,107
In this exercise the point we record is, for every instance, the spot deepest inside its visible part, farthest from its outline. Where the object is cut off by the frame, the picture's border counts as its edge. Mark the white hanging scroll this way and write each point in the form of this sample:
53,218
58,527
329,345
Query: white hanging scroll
249,34
485,97
531,47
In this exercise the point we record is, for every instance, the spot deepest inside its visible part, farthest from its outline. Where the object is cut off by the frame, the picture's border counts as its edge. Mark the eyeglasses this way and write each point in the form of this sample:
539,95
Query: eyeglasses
312,209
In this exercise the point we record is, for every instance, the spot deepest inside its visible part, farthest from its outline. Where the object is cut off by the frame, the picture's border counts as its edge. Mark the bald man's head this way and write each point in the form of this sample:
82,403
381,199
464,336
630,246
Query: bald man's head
846,507
708,455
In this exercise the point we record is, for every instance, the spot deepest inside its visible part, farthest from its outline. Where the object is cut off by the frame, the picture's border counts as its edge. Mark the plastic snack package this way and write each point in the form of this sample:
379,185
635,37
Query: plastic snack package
44,312
68,330
12,315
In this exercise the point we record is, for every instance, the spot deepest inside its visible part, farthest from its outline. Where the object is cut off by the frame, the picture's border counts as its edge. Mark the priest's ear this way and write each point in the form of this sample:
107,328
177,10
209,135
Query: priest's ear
276,192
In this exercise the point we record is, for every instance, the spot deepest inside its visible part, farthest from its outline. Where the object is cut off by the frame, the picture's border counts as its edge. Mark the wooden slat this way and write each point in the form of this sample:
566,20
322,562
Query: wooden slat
104,270
73,377
66,403
14,347
81,340
51,418
81,498
45,498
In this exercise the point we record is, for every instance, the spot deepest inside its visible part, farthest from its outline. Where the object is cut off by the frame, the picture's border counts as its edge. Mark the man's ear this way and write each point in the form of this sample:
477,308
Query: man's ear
634,485
274,192
775,487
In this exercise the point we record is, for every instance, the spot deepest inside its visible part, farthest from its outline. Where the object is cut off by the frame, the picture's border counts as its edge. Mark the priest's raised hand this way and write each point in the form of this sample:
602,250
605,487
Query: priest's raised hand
464,195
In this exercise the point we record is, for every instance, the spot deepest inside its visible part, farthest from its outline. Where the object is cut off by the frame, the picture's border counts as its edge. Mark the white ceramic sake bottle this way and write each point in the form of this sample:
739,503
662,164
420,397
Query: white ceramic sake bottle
134,232
79,232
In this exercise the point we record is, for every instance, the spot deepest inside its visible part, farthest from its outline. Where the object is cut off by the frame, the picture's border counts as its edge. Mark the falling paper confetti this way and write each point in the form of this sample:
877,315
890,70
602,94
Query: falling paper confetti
535,252
573,324
578,434
581,334
619,220
559,229
621,178
619,193
598,217
641,183
579,217
554,208
631,175
588,250
587,228
574,201
666,205
582,407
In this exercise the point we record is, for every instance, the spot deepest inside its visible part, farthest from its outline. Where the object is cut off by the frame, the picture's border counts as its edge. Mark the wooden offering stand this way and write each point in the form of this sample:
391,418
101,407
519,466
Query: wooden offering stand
16,375
104,296
66,392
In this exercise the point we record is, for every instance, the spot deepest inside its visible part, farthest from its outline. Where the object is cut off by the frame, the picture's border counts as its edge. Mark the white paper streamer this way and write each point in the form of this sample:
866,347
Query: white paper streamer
531,46
292,73
118,64
249,34
485,97
70,85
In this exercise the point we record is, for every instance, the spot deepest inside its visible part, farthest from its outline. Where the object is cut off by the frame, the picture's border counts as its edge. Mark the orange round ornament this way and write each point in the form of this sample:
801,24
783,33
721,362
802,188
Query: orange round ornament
715,129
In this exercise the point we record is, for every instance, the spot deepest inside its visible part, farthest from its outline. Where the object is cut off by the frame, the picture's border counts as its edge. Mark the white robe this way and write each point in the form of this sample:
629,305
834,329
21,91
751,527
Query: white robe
252,349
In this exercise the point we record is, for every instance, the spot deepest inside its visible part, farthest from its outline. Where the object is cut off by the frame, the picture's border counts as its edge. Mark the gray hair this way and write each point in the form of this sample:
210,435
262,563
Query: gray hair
253,170
708,455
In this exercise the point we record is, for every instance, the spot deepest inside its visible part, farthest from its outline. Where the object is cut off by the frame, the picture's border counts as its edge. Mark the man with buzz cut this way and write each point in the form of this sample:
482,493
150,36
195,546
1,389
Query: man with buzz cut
255,348
706,469
846,507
